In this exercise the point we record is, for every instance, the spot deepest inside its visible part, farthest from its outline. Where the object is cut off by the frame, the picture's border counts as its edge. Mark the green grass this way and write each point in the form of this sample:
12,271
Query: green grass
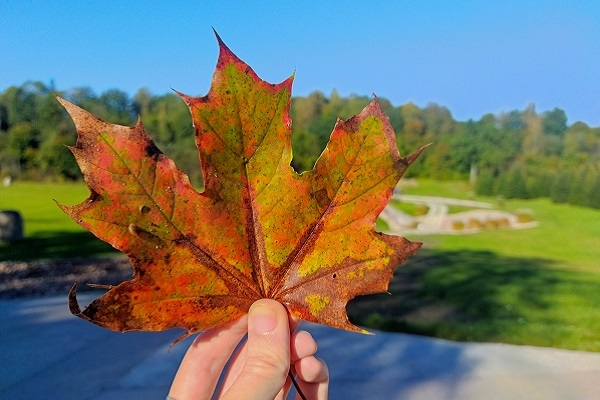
538,286
472,295
49,233
568,235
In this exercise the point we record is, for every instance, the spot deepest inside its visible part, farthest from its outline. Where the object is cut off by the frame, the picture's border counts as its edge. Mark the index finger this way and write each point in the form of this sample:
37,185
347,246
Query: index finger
204,361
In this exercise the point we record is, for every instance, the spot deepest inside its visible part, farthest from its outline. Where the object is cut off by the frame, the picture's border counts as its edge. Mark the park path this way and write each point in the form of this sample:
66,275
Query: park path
46,353
439,221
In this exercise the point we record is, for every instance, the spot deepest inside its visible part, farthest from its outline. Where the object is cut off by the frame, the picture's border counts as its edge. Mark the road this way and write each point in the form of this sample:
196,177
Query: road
46,353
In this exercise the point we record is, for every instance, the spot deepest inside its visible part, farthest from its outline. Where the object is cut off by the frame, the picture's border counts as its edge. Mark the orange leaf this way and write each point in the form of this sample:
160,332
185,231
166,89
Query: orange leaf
258,230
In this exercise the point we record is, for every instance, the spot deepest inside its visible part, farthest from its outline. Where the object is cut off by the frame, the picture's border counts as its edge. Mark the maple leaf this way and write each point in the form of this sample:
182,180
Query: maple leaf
258,230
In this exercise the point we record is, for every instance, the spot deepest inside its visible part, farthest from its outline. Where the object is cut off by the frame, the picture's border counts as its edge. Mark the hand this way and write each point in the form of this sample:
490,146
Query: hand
259,369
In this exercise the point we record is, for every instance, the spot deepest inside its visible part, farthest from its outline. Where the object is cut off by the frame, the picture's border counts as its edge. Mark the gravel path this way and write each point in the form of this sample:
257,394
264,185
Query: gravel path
39,278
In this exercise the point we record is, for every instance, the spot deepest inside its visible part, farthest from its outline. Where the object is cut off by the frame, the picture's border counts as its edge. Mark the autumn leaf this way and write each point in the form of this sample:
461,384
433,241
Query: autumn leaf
258,230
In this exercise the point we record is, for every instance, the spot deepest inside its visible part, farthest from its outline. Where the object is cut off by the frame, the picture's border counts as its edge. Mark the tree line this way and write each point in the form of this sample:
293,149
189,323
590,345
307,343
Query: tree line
514,154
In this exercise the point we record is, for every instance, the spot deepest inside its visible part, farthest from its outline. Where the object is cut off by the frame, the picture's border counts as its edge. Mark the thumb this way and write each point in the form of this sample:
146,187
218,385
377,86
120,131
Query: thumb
267,360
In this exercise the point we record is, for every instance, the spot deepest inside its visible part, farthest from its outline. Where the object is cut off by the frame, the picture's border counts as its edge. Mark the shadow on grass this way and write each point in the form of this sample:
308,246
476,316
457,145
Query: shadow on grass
476,296
55,245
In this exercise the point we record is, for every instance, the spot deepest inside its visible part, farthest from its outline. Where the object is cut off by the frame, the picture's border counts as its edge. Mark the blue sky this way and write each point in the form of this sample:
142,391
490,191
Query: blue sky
473,57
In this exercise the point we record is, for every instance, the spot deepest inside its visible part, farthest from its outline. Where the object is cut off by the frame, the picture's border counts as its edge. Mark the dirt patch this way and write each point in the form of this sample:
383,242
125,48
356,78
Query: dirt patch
39,278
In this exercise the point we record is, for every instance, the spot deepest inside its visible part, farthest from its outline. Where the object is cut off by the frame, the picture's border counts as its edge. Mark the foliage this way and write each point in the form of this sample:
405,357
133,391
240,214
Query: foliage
534,150
257,230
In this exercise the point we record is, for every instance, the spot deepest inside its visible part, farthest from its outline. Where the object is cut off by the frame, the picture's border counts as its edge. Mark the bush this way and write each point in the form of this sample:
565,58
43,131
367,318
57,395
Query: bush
474,224
458,225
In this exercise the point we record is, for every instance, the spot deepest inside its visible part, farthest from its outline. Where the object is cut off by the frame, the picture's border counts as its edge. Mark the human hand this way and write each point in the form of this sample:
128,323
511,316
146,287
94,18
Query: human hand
259,369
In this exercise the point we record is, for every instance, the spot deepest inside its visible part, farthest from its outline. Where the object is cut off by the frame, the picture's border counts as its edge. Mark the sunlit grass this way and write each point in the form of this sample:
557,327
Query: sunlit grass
567,234
49,233
538,286
35,202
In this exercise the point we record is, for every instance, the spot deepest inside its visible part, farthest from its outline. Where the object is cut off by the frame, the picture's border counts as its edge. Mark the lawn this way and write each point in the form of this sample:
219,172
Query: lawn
538,286
568,235
49,233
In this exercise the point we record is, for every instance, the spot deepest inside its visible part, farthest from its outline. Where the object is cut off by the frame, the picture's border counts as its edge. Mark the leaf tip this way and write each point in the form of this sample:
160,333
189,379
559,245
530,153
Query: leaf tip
62,206
66,104
225,52
416,154
73,305
217,36
188,100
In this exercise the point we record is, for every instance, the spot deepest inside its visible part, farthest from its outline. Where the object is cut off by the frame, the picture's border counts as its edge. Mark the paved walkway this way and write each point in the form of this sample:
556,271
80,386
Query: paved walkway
45,353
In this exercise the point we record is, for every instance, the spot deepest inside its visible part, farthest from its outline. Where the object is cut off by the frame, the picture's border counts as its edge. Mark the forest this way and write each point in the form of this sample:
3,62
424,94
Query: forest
514,154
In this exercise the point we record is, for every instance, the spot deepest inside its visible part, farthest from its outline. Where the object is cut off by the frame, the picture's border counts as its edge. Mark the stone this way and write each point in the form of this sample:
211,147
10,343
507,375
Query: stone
11,226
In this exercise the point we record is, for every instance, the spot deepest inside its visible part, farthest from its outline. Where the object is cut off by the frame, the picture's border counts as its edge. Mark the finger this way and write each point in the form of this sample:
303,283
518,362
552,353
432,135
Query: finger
302,345
313,377
294,322
234,368
201,367
236,361
267,353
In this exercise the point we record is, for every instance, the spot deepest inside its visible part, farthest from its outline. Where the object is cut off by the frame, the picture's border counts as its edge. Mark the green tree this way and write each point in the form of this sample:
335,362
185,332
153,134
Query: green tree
3,118
23,140
117,107
533,140
554,122
561,187
143,102
513,185
55,160
594,192
579,193
485,183
20,104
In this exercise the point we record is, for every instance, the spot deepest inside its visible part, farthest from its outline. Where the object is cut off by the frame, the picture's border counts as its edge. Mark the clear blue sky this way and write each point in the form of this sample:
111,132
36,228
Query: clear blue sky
473,57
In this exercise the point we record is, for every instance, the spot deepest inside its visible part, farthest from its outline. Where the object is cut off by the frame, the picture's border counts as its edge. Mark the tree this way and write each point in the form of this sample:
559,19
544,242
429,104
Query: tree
117,107
20,103
438,120
554,122
579,193
561,188
513,185
533,142
3,118
23,140
594,192
143,102
55,160
306,109
485,183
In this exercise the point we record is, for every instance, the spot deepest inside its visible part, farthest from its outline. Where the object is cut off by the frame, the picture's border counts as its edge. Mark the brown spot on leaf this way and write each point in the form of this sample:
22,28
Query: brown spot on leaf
322,198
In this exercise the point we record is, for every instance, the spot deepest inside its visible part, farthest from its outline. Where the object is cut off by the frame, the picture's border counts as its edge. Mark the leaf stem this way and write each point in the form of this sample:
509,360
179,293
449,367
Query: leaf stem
298,390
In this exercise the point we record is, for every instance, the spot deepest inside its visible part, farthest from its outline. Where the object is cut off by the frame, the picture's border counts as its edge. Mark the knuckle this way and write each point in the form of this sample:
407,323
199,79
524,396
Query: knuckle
267,367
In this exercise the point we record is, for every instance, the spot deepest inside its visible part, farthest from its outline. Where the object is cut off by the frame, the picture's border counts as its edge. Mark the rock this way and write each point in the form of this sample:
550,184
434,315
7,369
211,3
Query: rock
11,226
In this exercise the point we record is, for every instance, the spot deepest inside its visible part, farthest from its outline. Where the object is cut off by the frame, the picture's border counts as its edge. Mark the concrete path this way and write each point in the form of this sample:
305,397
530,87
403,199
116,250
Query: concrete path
45,353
